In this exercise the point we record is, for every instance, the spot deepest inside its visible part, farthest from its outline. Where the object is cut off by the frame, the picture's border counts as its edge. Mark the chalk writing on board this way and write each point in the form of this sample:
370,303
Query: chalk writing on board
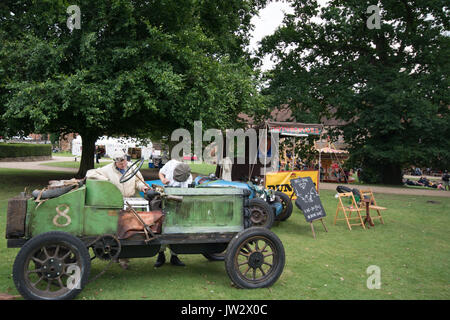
308,199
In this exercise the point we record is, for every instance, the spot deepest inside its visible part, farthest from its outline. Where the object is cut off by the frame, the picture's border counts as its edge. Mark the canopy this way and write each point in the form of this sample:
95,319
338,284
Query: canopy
330,150
294,128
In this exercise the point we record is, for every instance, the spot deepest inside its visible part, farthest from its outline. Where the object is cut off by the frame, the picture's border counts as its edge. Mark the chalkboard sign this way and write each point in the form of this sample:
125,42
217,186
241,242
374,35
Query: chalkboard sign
308,199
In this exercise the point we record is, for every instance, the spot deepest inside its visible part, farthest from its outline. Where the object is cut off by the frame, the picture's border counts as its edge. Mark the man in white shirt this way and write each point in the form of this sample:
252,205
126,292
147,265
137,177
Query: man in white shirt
176,174
173,174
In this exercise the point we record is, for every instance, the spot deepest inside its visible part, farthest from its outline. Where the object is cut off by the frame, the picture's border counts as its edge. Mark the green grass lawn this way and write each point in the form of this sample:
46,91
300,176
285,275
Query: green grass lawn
412,251
63,154
203,168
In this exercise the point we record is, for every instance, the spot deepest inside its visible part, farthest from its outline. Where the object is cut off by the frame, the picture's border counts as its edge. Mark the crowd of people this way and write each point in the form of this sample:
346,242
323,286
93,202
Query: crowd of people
425,182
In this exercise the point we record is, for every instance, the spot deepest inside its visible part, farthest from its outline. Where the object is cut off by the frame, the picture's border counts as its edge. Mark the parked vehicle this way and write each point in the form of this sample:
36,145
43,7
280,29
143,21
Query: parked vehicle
279,202
266,205
58,231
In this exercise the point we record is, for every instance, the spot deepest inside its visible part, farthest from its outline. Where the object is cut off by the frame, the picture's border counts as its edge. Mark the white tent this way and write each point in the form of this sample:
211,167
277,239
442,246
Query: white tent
114,144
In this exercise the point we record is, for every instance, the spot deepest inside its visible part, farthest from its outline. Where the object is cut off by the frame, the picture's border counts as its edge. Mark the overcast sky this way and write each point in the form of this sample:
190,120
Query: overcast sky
265,24
268,20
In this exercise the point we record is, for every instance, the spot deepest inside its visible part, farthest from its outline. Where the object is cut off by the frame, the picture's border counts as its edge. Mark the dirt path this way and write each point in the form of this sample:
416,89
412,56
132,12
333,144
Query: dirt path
39,165
390,190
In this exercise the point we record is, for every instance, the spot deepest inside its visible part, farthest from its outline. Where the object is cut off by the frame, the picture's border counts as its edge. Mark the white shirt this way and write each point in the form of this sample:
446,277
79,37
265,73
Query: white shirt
167,171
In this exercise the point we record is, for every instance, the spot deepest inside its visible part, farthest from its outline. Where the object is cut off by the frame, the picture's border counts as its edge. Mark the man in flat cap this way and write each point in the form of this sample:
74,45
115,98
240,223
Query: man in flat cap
173,174
176,174
114,171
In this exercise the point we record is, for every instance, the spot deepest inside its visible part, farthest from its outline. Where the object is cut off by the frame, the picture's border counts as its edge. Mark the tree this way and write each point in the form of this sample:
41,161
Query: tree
133,68
387,82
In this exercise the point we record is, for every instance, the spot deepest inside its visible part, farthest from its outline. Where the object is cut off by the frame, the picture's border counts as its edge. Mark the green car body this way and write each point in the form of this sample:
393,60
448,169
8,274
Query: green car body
94,208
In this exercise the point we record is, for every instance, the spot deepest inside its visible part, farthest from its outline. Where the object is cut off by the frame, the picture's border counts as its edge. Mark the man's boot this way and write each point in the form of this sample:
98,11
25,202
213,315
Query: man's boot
176,262
124,263
161,260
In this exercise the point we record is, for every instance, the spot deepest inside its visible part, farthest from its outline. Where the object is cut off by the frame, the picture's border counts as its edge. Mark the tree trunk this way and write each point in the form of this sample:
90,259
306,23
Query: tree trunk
391,174
87,155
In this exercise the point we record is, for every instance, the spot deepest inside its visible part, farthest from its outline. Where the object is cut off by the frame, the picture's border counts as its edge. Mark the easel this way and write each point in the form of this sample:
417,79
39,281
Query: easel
312,226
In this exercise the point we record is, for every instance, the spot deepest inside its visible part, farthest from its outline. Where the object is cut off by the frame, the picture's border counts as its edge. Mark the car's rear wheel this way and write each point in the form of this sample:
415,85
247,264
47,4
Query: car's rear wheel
52,266
261,214
255,258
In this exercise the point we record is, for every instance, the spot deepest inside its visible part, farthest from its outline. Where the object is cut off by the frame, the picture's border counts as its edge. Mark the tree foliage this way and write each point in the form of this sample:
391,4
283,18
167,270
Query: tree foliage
135,68
389,86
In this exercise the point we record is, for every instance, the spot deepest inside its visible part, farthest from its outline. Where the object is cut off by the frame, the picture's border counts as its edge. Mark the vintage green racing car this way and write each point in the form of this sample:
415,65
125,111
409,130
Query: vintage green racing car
61,229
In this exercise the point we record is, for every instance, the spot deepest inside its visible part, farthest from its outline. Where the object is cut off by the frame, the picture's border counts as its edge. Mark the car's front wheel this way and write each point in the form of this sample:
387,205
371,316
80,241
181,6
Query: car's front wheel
52,266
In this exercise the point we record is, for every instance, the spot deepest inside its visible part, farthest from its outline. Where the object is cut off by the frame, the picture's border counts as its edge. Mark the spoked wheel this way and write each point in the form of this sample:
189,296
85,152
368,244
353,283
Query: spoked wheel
132,170
107,247
255,258
287,206
261,214
52,266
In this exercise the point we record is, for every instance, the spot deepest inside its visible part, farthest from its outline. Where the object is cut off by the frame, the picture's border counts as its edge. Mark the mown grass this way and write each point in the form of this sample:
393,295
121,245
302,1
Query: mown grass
63,154
411,249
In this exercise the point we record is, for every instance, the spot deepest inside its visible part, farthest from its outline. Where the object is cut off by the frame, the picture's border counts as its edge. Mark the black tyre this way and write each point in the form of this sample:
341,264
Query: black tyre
255,258
52,193
52,266
343,189
287,206
261,214
215,256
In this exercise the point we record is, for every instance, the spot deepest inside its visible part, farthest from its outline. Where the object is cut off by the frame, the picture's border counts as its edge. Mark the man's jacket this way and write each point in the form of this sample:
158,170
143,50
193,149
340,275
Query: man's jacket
112,174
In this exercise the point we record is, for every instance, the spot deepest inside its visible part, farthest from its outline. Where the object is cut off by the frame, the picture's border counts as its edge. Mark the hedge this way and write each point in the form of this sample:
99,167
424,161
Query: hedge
16,150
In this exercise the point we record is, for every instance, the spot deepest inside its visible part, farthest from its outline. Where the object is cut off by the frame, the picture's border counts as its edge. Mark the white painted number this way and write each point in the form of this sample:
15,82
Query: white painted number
63,214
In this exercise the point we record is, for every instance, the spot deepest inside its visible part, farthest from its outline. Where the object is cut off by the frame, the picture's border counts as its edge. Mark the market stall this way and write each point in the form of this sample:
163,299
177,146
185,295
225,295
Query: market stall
331,169
290,166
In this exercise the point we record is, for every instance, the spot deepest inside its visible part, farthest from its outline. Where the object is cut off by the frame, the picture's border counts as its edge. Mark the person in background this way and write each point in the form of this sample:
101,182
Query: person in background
97,154
445,180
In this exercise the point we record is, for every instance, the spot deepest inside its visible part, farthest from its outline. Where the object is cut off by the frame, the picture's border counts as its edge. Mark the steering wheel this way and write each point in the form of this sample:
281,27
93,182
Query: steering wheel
132,170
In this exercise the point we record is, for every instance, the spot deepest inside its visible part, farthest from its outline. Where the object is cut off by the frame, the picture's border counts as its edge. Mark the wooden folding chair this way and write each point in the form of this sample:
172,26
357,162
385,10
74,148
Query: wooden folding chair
372,204
347,209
